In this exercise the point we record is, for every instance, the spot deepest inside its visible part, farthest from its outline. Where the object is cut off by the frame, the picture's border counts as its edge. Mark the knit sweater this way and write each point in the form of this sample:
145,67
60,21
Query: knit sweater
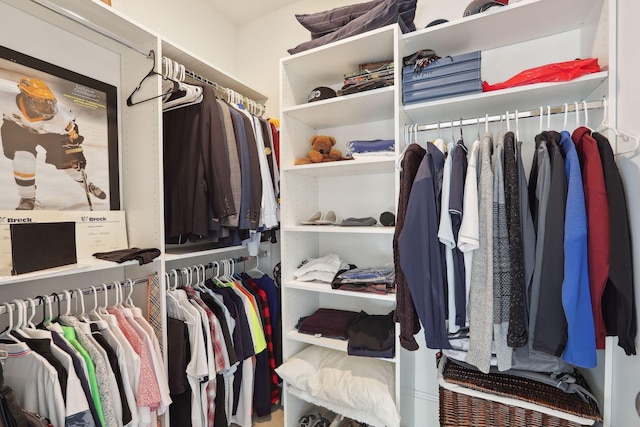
517,336
501,263
481,293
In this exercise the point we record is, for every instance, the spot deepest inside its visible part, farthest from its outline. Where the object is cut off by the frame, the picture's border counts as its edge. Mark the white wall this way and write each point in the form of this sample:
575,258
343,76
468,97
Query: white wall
195,25
626,369
262,42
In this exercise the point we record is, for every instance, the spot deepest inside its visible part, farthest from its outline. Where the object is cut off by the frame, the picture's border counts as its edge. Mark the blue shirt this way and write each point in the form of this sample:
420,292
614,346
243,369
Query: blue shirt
576,297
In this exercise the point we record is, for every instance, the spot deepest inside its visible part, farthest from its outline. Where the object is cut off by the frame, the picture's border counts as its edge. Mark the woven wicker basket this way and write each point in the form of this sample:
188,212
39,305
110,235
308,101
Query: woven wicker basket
460,410
463,410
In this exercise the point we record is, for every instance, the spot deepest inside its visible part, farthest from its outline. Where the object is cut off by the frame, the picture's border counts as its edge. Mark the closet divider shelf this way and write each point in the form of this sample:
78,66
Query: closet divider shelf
362,107
325,288
340,229
516,23
326,65
524,97
364,166
335,344
178,253
84,265
201,67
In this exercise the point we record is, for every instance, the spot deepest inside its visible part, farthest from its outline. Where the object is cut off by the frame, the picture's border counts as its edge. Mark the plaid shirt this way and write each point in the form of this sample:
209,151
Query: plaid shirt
266,323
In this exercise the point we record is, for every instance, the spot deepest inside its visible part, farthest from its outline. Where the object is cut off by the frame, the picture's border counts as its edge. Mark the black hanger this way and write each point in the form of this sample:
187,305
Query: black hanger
152,72
57,298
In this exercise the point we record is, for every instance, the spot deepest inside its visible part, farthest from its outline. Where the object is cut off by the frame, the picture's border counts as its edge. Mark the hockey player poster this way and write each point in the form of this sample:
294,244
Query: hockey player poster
58,136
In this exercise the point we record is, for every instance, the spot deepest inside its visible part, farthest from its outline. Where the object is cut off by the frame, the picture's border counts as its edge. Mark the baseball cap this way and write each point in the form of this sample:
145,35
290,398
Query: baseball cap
320,93
436,22
479,6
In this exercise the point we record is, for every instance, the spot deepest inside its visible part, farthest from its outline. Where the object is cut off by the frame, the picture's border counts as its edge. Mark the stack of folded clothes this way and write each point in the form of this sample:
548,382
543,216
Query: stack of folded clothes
372,335
328,323
373,147
378,280
370,76
367,335
322,269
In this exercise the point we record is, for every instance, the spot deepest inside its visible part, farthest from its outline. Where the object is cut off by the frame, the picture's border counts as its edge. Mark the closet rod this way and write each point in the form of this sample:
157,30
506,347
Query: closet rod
205,80
521,115
90,25
85,291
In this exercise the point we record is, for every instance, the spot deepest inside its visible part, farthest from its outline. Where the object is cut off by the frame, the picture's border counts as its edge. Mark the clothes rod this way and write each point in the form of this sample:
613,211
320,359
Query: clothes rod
215,85
90,25
512,116
86,291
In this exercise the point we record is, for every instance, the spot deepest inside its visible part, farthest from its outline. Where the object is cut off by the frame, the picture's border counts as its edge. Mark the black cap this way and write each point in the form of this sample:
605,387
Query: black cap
436,22
320,93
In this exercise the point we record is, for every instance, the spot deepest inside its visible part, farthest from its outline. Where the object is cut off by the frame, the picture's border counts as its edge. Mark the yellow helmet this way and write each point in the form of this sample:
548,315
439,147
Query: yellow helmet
39,101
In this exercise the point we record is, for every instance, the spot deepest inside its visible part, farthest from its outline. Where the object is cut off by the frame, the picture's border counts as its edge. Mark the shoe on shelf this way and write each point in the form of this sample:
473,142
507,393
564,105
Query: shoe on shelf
331,218
312,220
96,191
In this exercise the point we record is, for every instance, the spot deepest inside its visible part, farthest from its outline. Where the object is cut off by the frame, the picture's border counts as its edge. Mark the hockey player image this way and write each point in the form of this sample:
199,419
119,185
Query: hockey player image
32,119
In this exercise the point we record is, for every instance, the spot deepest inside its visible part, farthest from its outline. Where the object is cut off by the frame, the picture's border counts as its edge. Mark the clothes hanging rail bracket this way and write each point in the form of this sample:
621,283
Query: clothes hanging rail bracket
503,116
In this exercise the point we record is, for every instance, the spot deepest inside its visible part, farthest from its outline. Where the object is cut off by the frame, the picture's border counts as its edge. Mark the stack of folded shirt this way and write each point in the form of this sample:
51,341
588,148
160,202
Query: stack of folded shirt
328,323
372,335
368,335
372,147
322,269
379,280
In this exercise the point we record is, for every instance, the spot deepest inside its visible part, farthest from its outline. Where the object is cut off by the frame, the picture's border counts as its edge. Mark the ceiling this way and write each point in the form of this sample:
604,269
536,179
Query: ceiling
241,11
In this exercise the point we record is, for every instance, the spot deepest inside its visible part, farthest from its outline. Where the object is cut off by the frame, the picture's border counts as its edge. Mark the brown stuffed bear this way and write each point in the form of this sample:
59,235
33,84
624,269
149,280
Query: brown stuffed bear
321,151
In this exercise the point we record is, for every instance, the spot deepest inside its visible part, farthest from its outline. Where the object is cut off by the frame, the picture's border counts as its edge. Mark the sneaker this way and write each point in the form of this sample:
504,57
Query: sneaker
26,204
96,191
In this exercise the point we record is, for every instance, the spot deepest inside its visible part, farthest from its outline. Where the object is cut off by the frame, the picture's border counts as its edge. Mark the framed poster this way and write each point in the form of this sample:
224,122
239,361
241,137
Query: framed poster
59,138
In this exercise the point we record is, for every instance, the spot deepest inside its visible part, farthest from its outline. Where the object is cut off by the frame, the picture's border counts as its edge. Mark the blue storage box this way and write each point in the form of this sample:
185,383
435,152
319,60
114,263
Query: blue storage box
457,75
437,92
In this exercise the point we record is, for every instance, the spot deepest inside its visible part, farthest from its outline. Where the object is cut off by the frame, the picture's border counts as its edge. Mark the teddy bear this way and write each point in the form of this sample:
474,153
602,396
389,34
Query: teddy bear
321,151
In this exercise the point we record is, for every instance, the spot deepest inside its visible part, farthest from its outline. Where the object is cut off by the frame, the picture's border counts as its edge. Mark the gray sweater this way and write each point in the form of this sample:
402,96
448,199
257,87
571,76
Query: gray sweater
481,292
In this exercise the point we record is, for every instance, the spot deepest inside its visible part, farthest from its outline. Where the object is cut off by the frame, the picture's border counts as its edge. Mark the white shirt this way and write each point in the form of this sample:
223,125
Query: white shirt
76,405
469,235
445,235
34,382
121,353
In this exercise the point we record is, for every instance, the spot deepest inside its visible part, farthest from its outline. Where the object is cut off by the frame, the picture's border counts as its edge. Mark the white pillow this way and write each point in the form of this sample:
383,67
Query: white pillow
361,383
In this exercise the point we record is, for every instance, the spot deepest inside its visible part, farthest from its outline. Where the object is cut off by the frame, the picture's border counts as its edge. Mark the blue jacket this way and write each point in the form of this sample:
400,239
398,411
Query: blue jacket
576,297
421,254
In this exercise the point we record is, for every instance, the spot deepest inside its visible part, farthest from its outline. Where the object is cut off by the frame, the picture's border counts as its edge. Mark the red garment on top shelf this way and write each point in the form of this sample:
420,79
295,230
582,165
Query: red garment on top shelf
556,72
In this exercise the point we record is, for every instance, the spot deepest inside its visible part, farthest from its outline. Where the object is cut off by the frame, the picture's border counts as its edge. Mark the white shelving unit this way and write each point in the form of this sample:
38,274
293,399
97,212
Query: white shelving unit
351,188
526,34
